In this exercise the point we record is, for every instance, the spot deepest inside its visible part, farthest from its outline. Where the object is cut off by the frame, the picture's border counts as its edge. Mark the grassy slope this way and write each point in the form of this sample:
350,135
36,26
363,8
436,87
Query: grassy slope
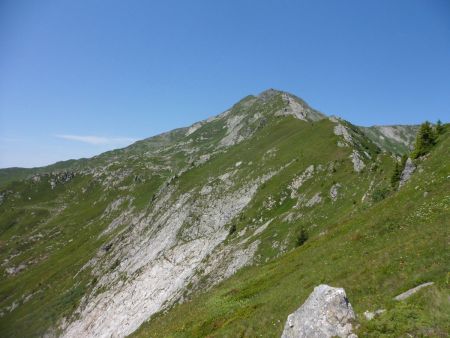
71,236
54,232
68,241
380,252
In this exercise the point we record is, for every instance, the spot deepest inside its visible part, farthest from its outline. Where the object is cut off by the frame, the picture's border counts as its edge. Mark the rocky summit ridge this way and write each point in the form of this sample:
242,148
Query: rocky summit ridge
116,244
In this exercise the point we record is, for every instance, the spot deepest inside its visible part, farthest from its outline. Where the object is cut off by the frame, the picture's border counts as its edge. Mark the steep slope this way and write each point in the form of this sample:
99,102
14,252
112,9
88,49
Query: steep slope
396,139
95,247
376,254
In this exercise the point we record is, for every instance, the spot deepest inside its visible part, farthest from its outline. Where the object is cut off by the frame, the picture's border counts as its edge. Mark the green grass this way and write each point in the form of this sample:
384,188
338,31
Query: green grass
380,252
375,248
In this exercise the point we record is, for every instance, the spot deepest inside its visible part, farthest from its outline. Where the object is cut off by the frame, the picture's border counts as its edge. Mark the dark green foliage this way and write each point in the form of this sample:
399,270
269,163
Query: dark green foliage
232,229
425,140
302,237
380,194
398,169
395,178
439,127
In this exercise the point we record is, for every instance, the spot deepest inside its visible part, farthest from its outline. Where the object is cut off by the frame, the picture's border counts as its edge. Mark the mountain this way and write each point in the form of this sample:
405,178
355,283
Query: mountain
224,227
396,139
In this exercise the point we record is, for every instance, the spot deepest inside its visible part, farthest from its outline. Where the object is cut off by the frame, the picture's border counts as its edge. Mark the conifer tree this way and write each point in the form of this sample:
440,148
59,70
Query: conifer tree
425,139
439,127
395,178
302,237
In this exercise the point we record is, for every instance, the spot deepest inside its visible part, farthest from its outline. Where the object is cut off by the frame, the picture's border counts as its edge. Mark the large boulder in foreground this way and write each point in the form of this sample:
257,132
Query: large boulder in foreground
326,313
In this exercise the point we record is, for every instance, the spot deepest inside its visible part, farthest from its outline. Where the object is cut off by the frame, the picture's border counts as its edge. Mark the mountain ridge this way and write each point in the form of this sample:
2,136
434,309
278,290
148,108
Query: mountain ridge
396,145
100,247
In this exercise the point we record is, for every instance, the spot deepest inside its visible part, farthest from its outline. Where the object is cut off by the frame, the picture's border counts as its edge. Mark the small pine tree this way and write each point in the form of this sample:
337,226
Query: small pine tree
395,178
398,169
302,237
233,229
426,138
439,127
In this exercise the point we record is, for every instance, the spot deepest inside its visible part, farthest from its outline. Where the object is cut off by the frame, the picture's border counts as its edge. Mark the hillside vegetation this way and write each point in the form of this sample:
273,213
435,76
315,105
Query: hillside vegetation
225,227
377,253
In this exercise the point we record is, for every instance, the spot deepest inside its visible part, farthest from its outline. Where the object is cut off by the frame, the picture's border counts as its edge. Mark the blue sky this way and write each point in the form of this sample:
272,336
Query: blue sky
81,77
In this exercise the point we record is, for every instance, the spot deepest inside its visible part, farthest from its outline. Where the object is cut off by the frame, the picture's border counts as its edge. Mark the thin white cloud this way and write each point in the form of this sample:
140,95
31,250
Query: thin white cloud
98,140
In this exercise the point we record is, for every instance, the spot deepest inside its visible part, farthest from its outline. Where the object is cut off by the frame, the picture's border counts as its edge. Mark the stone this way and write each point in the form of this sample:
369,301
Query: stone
340,130
412,291
371,315
407,172
316,199
326,313
334,192
358,164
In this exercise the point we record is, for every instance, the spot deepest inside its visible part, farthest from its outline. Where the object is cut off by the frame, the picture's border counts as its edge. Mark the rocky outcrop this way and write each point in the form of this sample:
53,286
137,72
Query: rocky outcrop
358,164
340,130
298,181
326,313
407,172
334,191
161,254
298,109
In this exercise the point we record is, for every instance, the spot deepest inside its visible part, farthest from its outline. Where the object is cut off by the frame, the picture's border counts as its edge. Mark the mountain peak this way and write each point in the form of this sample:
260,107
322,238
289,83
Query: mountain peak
268,93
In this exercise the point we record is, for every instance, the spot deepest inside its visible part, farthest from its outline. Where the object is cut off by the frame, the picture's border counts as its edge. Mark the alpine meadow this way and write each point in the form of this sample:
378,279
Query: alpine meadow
223,228
225,169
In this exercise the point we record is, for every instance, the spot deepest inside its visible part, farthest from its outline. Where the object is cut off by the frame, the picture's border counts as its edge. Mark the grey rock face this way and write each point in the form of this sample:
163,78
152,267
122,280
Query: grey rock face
326,313
407,172
358,163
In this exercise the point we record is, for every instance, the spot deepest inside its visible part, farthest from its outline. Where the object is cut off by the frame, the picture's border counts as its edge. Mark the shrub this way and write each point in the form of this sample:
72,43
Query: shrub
395,178
302,237
232,229
380,194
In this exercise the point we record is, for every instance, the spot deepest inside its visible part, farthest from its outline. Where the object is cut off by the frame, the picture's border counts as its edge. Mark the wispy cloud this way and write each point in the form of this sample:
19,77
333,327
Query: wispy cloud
98,140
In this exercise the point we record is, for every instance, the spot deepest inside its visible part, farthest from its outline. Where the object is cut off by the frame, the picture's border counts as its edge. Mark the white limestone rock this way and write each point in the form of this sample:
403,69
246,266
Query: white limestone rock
326,313
341,130
412,291
298,181
334,192
358,163
316,199
298,109
371,315
407,172
234,125
192,129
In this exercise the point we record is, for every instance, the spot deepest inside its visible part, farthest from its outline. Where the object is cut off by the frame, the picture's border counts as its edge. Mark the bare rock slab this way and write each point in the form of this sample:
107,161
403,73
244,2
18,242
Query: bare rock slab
407,172
326,313
412,291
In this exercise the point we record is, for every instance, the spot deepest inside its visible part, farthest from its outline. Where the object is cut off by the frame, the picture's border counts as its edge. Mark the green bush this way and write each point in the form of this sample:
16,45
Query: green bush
380,194
302,237
232,229
425,140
